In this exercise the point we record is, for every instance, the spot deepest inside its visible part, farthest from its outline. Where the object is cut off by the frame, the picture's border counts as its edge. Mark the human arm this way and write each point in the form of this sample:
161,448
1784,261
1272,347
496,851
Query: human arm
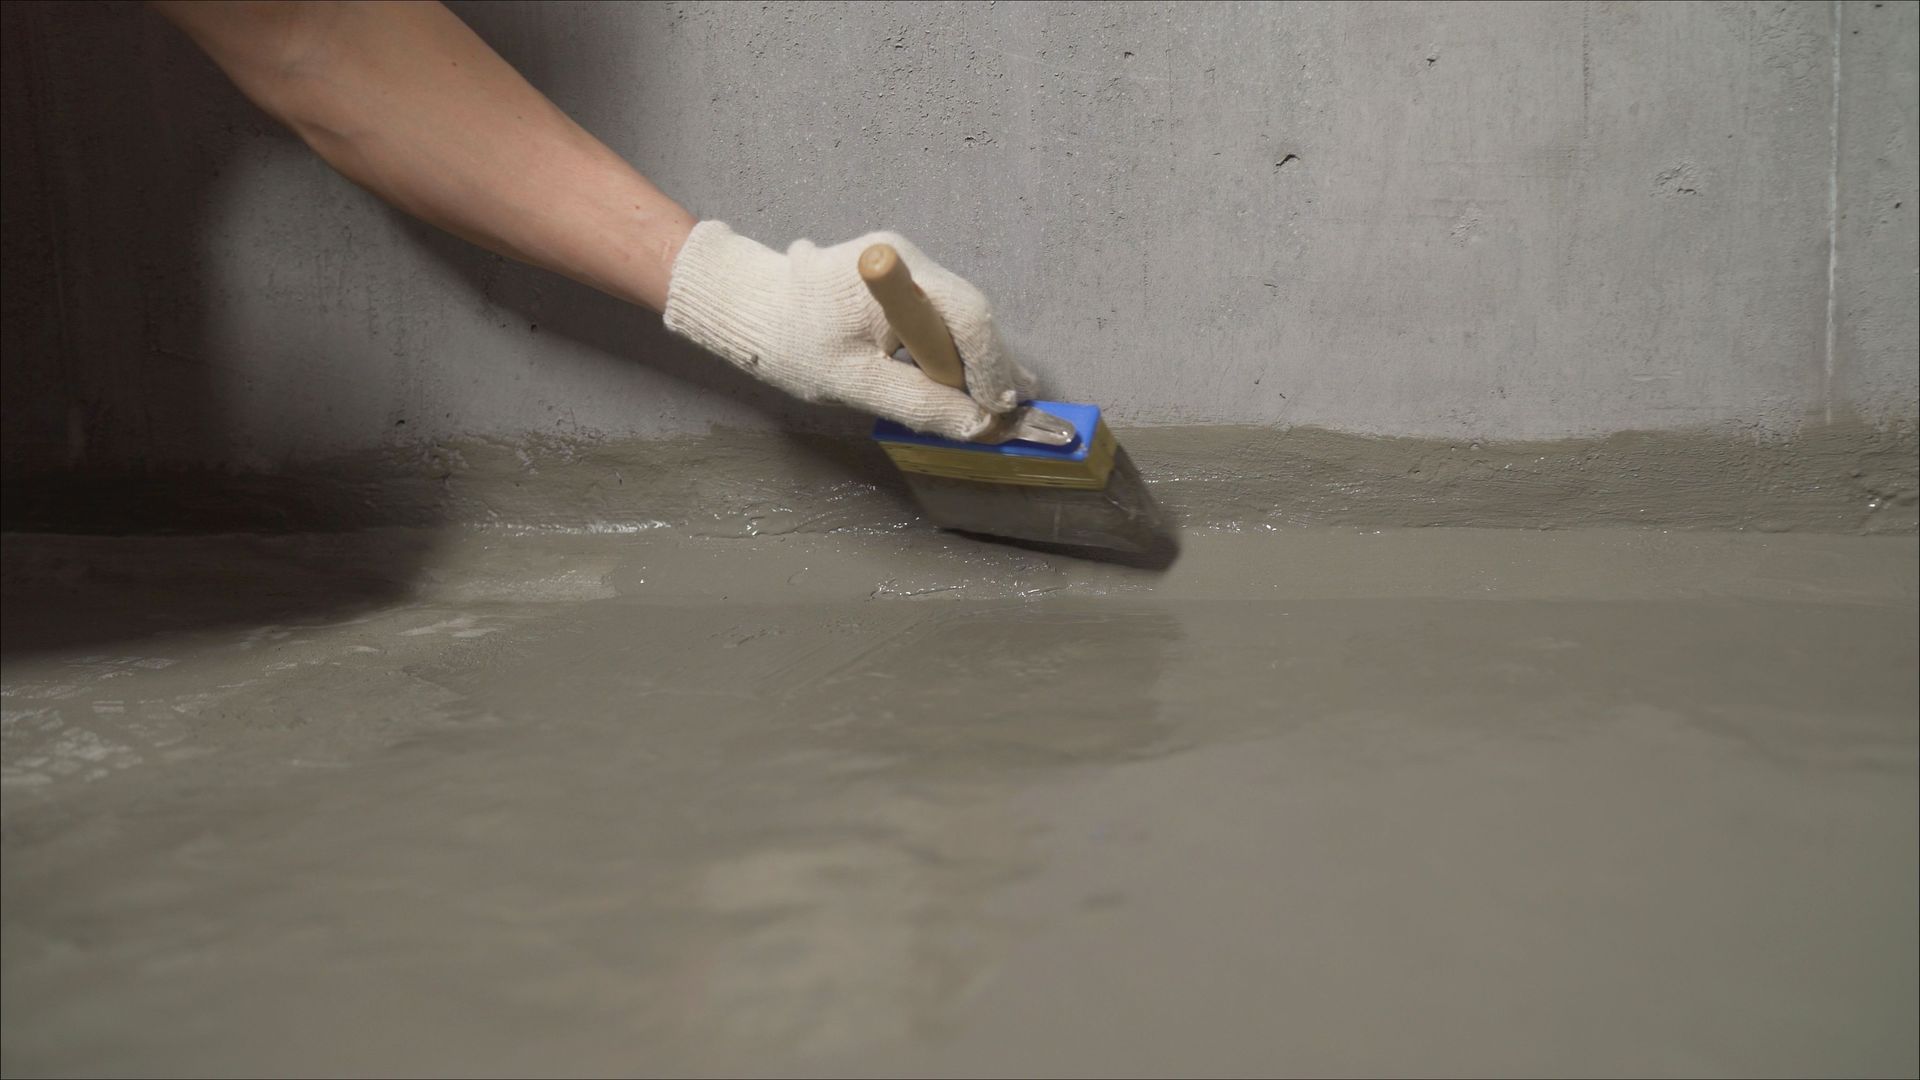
405,100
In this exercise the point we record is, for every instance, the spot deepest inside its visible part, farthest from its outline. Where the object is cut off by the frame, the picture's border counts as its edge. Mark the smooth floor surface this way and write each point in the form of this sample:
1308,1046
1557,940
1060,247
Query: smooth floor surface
1312,802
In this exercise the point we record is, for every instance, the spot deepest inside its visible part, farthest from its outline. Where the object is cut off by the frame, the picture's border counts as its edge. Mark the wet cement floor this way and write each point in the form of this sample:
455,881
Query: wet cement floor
1319,802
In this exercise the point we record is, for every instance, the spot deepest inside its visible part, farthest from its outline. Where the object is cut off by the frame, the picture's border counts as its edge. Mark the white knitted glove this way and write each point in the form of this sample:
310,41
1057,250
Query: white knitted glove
805,322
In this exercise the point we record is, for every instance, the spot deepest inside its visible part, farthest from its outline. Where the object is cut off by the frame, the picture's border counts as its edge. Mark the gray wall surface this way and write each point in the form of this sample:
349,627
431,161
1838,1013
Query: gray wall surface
1501,221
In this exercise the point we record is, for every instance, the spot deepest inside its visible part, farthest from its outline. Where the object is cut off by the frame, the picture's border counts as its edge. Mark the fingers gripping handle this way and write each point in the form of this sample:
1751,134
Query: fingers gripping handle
912,315
930,343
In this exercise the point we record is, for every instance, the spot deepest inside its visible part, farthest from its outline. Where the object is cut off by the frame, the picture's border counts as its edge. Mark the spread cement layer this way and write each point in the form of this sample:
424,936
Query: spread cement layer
1332,801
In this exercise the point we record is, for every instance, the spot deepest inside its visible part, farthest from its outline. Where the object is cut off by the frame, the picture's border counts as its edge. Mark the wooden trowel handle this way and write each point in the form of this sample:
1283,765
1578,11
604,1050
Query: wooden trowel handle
912,315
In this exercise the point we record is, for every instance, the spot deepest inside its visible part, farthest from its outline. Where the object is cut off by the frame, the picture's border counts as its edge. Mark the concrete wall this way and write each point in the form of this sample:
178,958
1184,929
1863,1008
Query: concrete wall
1456,220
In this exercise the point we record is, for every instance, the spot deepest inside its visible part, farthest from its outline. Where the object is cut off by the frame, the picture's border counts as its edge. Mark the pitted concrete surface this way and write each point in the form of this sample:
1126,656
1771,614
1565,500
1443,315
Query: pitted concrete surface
1312,802
1447,221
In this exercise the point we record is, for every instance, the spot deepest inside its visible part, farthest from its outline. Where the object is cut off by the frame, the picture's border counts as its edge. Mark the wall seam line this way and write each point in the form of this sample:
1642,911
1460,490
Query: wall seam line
1833,224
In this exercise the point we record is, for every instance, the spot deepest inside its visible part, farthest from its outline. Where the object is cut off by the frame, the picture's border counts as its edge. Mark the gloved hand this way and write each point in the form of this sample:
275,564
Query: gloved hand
805,322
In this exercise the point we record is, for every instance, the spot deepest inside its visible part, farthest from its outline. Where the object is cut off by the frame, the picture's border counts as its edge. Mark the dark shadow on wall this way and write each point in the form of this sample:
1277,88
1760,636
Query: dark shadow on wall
119,137
118,141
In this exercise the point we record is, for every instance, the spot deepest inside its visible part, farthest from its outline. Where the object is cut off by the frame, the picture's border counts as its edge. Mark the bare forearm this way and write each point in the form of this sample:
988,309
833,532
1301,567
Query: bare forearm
408,102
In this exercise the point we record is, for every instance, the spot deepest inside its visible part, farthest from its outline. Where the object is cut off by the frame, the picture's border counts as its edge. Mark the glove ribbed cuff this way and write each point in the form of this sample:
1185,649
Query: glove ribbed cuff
726,294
